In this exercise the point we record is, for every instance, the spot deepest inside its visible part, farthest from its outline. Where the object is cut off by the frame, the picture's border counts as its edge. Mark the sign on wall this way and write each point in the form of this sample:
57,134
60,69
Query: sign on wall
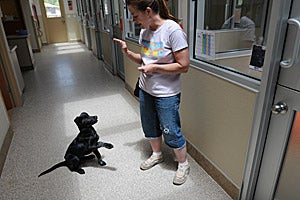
70,4
205,44
70,7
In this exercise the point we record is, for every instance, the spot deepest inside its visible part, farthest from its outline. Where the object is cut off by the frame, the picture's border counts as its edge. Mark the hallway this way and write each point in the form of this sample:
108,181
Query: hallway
68,80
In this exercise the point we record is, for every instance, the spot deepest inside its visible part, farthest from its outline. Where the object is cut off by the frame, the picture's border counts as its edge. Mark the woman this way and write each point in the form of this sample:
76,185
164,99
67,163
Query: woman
164,56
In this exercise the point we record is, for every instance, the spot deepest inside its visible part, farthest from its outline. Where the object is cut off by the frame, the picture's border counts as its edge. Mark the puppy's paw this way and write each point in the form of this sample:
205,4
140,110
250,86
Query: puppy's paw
108,146
101,163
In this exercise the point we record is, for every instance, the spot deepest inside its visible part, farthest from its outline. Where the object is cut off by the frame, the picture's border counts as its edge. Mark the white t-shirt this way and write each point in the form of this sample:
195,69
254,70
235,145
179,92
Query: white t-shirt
158,47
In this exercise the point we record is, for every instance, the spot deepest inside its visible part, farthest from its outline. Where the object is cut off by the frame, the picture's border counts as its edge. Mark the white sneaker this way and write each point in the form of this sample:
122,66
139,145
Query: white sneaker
150,162
181,175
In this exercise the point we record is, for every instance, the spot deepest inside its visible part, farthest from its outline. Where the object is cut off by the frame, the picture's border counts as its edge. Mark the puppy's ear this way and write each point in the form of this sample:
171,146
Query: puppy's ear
77,120
84,114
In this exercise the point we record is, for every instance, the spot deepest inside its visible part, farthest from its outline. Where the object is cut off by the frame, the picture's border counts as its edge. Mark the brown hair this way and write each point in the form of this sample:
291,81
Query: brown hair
158,6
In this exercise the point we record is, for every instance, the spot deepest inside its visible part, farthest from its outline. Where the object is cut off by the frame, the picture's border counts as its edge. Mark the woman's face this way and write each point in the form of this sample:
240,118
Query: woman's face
140,17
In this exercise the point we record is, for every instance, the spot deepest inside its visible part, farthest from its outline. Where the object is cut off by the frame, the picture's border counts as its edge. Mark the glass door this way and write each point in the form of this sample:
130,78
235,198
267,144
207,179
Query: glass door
97,17
117,25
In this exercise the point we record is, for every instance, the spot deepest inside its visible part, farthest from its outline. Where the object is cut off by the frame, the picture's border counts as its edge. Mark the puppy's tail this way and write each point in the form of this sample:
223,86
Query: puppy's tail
61,164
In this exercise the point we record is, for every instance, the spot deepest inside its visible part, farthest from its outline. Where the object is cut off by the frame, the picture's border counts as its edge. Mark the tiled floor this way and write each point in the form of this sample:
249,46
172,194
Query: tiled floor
67,80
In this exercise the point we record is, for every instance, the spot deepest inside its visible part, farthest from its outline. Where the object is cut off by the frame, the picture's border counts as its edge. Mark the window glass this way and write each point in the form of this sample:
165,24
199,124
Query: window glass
91,11
52,8
230,34
105,13
133,30
116,13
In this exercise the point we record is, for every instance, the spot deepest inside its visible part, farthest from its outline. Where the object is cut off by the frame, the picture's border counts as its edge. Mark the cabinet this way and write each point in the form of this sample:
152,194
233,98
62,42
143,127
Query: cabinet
24,50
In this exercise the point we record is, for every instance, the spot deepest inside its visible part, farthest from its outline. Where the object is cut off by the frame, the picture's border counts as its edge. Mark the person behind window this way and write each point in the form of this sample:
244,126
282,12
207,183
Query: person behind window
164,56
248,24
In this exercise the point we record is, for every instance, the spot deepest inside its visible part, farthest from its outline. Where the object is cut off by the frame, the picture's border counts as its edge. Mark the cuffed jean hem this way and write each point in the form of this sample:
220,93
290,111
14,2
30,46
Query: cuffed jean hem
179,148
152,138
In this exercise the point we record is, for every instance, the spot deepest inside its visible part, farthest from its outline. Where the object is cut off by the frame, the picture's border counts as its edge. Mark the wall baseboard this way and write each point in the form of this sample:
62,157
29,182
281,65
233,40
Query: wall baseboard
5,147
218,176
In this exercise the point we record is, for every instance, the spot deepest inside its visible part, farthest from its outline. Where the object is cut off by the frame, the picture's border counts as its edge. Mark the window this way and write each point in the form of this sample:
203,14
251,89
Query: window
106,15
133,30
91,13
52,8
230,34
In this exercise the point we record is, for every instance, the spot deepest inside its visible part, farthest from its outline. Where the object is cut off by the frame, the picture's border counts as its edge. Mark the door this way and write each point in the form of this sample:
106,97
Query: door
117,25
97,11
279,176
54,16
106,32
95,33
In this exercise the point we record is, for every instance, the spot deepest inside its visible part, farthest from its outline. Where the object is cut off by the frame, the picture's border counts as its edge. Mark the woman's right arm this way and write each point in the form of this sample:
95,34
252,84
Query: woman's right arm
135,57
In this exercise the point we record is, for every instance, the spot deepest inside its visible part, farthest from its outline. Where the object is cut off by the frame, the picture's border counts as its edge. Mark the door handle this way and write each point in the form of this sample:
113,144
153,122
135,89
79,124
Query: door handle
279,108
290,62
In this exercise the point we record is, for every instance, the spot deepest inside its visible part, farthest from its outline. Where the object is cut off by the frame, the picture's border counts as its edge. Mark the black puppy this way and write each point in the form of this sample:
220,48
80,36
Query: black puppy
85,143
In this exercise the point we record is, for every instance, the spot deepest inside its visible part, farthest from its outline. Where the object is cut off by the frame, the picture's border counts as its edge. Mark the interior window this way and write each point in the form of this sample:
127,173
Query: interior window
230,34
133,30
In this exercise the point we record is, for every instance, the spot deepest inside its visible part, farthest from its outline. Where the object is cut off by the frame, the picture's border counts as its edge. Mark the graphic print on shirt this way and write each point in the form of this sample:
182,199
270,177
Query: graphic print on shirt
152,48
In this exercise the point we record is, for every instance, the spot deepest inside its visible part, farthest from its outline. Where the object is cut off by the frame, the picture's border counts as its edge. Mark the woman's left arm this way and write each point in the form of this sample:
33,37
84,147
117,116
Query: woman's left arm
181,65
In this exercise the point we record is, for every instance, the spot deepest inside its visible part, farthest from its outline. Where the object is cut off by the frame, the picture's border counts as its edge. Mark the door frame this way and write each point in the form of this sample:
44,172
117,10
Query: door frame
277,26
5,59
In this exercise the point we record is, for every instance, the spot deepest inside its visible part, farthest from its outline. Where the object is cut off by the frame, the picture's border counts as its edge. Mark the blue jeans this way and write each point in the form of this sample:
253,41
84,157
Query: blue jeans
160,116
